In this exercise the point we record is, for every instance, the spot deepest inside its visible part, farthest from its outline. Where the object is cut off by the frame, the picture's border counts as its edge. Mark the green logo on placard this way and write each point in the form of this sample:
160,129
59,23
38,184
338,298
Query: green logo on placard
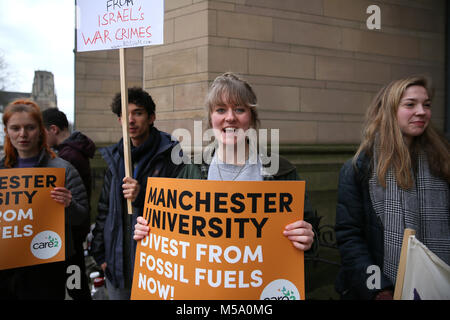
53,241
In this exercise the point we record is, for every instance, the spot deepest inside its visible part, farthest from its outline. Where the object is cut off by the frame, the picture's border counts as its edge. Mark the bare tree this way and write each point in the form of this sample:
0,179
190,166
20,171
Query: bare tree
5,74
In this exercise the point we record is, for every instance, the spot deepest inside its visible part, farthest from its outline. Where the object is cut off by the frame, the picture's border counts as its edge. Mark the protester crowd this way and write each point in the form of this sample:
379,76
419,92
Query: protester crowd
399,178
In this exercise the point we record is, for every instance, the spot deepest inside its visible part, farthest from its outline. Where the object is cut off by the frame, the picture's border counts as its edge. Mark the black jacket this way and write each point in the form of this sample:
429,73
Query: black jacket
359,233
77,149
114,229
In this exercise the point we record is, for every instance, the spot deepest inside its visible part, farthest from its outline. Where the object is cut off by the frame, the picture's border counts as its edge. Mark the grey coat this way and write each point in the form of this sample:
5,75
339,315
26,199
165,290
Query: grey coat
47,281
77,212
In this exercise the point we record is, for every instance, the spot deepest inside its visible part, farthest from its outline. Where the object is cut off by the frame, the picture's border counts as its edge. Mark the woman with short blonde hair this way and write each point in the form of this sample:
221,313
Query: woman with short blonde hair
231,107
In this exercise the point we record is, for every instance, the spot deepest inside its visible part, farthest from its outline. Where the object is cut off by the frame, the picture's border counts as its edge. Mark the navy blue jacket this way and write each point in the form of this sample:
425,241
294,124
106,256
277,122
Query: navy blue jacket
359,233
108,243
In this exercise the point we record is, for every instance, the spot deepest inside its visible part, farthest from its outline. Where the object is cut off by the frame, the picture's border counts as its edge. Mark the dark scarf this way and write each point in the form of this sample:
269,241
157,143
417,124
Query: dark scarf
140,156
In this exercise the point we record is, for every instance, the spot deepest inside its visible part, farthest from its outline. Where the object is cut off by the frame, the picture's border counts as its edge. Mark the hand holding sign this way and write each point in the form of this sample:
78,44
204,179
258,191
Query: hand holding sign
130,188
61,195
141,230
221,240
111,24
32,216
300,233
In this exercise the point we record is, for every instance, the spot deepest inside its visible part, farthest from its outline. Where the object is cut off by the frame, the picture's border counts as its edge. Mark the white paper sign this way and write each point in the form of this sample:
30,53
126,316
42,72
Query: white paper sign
427,277
113,24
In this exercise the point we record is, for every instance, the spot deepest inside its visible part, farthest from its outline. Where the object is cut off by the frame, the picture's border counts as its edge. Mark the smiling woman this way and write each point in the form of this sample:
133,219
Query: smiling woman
414,113
398,179
231,107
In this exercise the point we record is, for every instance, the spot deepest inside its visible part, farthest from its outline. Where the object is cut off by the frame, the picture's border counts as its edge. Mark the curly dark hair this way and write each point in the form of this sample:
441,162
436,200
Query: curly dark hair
136,96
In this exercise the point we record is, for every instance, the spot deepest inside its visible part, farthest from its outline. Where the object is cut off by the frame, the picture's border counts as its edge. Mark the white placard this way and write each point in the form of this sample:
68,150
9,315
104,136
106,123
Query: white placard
114,24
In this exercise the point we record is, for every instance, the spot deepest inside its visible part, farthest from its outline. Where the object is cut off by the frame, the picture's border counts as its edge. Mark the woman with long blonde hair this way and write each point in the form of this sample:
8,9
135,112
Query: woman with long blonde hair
26,146
399,178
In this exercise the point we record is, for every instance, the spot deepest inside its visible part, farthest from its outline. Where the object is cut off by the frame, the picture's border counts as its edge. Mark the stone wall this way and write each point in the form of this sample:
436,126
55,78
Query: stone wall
314,64
97,80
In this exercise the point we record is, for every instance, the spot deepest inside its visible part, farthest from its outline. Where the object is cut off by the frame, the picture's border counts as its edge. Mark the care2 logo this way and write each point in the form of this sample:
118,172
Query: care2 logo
45,245
280,289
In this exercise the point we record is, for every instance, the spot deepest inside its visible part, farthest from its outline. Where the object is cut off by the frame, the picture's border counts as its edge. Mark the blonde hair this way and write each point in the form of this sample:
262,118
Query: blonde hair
382,132
236,91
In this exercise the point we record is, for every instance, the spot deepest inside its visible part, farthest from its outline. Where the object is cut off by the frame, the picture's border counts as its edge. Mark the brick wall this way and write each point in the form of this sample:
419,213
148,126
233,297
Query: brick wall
97,80
313,63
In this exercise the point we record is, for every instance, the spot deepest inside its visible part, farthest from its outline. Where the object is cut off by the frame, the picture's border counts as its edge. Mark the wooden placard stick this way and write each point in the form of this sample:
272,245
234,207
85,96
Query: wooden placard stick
402,264
124,118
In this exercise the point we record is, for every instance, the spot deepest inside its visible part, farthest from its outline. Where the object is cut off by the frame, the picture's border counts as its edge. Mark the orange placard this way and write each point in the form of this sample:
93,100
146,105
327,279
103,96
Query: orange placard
31,222
214,240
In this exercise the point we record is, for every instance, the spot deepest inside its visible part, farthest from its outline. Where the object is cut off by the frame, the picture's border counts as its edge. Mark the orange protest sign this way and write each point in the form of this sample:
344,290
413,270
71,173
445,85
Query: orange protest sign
214,240
31,222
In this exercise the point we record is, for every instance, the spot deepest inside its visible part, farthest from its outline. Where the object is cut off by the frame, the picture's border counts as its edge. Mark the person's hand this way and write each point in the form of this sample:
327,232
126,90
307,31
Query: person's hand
61,195
141,229
300,233
130,188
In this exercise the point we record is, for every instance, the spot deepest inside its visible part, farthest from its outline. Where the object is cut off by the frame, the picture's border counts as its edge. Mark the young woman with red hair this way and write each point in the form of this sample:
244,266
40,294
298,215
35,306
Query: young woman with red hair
25,146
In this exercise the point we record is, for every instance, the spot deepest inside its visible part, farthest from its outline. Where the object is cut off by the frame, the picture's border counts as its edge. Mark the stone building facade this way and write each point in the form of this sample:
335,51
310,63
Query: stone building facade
314,64
97,80
43,91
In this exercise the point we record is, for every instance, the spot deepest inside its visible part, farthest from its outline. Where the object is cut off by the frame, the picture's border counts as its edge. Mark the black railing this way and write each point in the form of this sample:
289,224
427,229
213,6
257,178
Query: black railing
324,236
